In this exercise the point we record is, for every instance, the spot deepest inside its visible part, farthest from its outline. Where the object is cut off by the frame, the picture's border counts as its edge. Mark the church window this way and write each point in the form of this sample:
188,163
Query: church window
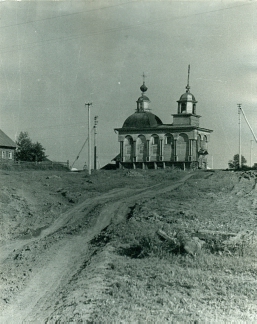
183,107
168,140
155,140
198,142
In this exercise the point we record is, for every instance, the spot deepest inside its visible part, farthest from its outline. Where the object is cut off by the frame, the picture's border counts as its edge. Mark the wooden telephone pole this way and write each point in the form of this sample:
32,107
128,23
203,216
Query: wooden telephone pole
89,138
240,157
95,142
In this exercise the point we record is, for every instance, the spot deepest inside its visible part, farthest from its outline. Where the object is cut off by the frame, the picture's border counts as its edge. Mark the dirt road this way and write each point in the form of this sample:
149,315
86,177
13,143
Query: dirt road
49,264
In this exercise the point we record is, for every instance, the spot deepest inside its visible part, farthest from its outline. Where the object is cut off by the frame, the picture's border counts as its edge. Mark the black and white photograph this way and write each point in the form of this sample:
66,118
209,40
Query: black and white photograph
128,161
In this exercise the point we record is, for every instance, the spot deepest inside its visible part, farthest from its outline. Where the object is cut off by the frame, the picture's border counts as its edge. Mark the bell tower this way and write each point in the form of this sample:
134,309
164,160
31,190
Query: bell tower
187,102
186,113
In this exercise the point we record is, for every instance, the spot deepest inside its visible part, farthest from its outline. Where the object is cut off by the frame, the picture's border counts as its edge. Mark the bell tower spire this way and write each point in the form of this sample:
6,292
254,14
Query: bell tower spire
187,102
188,74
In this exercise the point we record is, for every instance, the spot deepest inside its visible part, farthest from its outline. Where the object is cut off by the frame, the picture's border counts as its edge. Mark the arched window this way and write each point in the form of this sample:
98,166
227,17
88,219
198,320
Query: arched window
155,140
168,139
183,107
194,109
198,142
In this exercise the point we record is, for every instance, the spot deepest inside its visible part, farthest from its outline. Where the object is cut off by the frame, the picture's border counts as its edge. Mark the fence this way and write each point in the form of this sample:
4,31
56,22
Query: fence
34,165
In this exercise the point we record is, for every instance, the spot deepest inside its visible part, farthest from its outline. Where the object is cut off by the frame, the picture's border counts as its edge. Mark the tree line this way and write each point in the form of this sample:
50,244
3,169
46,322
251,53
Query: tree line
29,151
234,164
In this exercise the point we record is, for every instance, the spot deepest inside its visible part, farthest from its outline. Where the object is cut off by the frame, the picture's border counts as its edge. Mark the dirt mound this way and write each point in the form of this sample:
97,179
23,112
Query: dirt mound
80,248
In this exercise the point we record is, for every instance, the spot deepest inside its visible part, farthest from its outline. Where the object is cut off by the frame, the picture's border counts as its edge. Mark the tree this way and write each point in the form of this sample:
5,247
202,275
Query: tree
234,164
27,150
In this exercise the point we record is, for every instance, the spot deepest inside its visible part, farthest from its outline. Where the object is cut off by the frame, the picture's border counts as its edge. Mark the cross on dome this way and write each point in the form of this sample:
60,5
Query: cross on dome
188,74
143,87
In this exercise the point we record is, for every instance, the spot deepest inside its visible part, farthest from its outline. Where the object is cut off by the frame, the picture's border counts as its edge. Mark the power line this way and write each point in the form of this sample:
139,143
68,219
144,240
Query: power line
60,125
66,15
79,152
111,30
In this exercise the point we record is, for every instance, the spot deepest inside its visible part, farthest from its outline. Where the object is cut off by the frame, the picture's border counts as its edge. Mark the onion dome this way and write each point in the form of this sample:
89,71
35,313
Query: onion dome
142,118
143,87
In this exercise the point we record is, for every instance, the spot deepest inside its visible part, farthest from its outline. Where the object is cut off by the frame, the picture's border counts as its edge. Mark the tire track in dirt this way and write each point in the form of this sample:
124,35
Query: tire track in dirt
43,283
66,217
70,215
66,257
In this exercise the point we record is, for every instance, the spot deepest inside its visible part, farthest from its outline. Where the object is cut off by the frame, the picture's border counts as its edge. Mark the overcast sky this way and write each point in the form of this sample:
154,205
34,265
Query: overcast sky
55,56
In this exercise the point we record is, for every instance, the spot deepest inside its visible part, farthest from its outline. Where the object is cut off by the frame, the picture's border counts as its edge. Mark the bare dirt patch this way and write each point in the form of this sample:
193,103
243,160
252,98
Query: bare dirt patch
76,248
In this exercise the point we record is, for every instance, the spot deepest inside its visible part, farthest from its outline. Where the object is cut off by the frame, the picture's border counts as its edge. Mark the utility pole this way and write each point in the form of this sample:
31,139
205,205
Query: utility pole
239,113
95,142
251,148
89,138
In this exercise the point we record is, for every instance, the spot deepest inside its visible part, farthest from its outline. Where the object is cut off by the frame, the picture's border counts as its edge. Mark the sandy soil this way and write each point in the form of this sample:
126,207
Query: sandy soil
51,272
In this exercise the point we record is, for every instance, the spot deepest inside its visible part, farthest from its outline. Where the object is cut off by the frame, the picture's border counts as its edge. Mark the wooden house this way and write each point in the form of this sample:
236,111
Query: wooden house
7,148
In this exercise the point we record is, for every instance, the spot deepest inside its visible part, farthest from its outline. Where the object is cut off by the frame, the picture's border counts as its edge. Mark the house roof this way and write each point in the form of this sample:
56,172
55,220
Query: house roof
5,141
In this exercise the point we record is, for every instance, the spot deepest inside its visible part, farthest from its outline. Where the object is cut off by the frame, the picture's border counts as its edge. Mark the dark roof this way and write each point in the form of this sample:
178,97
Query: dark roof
109,166
5,141
187,96
143,119
117,158
143,98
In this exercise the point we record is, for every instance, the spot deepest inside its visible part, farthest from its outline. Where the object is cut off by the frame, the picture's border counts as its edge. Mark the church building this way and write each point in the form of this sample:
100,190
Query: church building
147,142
